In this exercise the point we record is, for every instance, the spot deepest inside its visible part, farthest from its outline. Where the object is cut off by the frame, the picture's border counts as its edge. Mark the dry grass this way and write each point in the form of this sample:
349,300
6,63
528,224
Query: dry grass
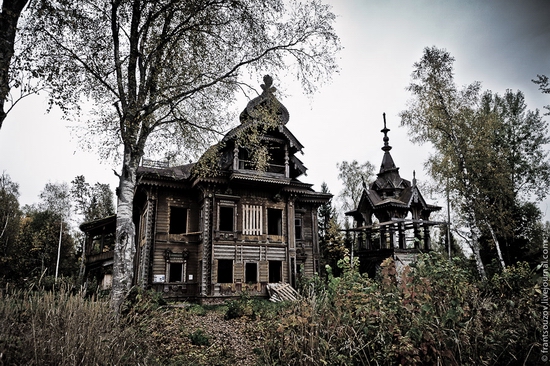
60,328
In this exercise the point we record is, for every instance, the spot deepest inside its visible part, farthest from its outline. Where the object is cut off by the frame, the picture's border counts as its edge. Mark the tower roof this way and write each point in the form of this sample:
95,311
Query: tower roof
266,105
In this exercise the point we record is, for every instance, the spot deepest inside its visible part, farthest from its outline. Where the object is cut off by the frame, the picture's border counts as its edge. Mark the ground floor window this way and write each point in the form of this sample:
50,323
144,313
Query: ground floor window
175,272
275,273
251,273
225,271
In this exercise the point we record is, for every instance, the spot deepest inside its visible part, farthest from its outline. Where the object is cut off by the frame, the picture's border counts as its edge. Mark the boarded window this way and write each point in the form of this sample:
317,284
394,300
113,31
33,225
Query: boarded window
251,273
298,228
225,271
275,274
274,221
178,220
227,215
252,220
175,272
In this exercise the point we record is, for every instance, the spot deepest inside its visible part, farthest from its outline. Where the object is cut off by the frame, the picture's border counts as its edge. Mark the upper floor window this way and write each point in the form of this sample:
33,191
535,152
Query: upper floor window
298,228
226,218
274,221
178,220
252,220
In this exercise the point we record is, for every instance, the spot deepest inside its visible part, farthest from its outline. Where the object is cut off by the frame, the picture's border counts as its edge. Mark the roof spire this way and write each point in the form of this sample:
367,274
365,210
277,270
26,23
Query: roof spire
385,131
414,178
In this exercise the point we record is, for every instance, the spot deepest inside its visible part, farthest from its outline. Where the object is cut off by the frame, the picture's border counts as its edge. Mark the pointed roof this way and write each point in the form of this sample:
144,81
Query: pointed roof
387,160
390,192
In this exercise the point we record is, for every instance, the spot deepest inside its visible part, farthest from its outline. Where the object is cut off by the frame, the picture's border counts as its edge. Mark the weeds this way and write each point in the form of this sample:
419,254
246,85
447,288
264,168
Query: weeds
58,328
432,313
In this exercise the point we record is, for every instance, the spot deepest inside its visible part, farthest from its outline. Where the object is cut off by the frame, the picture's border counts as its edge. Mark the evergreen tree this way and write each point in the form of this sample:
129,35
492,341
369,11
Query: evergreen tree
331,240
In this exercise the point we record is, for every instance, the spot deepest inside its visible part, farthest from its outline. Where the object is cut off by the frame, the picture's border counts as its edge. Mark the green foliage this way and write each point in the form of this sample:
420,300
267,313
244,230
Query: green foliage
251,308
331,240
140,301
10,217
199,338
355,177
92,202
38,243
489,151
432,313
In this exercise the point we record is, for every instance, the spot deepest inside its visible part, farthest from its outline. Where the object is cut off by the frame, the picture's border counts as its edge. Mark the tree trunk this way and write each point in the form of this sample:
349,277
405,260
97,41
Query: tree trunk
11,10
497,245
123,266
474,245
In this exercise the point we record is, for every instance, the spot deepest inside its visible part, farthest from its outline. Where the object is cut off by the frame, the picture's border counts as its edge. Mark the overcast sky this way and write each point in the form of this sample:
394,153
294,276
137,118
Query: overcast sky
503,44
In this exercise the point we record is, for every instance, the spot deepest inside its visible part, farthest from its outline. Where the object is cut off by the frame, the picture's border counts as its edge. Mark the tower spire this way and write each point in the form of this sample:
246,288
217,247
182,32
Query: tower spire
385,131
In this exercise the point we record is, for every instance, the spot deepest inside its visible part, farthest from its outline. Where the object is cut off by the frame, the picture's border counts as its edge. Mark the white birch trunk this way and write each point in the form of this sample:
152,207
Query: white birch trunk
474,245
123,266
497,245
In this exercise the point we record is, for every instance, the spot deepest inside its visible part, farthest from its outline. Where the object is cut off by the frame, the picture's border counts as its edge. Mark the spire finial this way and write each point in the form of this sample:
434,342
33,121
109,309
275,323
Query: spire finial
414,178
385,131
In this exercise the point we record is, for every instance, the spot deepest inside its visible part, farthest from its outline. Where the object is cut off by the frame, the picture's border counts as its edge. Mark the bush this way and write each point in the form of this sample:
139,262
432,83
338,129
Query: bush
431,313
199,338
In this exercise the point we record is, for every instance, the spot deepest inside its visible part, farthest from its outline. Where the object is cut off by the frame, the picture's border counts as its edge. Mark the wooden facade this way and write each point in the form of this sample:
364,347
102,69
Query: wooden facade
211,238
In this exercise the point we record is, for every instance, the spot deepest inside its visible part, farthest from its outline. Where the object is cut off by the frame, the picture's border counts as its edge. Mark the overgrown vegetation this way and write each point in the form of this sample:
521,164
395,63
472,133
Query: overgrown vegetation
60,328
435,312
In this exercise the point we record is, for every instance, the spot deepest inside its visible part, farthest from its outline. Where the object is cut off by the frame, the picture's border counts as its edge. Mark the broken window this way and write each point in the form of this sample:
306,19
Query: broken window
275,274
178,220
298,228
252,220
251,273
226,218
274,221
175,272
225,271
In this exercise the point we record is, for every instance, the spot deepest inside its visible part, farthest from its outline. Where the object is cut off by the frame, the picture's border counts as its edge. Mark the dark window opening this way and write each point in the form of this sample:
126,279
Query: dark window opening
298,228
178,220
275,274
226,218
251,273
274,221
176,272
225,271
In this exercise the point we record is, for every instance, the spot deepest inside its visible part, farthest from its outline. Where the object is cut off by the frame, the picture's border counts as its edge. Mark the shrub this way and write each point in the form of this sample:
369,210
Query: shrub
431,313
199,338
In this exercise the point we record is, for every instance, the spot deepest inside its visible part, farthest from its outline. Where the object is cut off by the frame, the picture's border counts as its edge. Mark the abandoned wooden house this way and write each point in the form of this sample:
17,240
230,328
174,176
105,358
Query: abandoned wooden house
212,237
392,218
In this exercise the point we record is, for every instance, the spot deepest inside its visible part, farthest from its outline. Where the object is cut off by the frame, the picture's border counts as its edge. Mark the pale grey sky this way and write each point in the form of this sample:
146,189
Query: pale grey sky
503,44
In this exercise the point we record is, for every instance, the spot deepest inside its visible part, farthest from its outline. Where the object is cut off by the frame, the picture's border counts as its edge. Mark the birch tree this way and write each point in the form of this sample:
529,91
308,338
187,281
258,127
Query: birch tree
19,77
164,71
488,150
445,116
354,177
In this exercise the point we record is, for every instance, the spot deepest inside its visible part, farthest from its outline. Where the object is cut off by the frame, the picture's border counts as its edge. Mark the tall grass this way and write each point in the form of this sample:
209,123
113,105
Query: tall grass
60,328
